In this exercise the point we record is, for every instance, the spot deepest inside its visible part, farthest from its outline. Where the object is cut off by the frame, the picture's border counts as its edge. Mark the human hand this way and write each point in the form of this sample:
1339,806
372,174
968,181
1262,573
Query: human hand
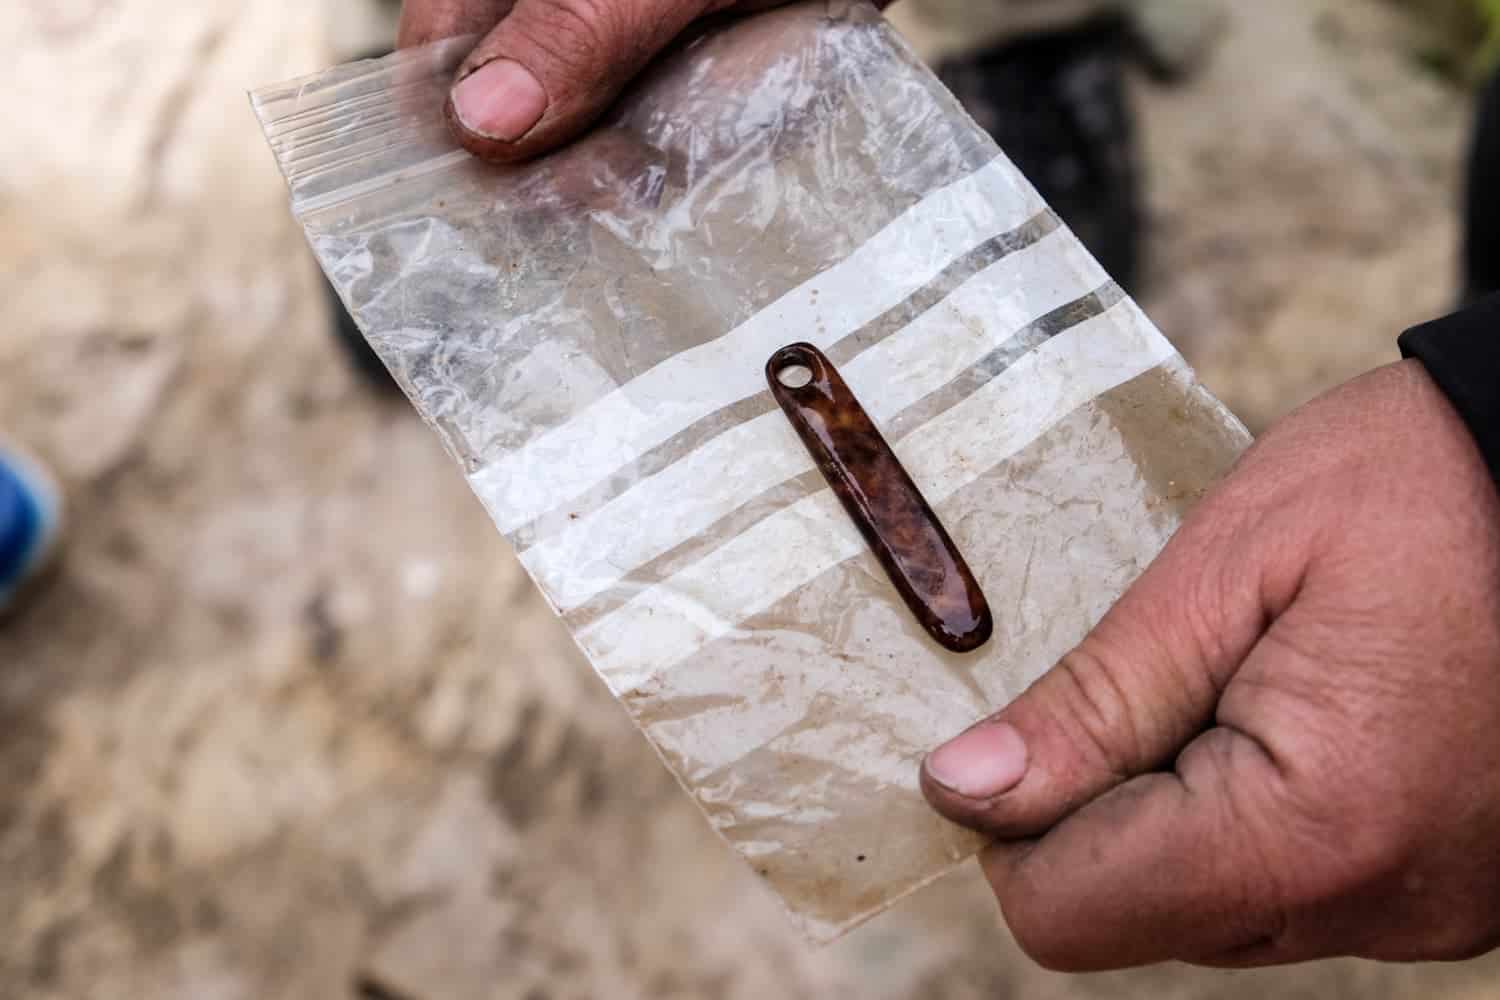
1284,742
546,69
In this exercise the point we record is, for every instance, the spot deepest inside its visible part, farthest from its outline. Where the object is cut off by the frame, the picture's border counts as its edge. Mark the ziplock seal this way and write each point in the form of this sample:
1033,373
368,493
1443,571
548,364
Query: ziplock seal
364,127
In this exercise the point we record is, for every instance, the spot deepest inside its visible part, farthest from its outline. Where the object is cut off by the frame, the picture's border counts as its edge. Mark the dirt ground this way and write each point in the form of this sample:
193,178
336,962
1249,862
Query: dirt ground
291,723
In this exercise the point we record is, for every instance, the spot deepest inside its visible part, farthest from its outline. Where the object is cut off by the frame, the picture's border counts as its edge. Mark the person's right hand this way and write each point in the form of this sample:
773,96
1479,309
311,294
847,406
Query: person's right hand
1284,742
546,69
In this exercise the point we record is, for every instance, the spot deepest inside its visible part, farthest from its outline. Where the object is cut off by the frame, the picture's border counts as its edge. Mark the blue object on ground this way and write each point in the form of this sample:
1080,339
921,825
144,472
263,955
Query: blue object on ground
28,524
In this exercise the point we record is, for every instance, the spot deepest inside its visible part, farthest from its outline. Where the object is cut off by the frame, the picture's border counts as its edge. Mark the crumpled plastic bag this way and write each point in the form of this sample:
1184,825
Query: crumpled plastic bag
588,334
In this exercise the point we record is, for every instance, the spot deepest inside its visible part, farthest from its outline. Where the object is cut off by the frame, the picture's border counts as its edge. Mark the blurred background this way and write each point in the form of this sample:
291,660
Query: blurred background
290,722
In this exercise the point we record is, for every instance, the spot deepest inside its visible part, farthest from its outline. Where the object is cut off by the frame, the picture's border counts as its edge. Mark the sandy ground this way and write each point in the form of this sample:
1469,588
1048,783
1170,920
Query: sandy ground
290,722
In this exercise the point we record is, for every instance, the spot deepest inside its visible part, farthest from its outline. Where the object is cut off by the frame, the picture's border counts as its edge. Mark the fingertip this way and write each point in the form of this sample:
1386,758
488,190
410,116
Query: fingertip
489,150
980,764
972,780
944,801
494,108
486,148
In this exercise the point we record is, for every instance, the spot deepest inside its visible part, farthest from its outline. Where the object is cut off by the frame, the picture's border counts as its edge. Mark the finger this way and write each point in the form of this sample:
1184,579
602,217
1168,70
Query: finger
551,67
424,21
1137,689
1164,867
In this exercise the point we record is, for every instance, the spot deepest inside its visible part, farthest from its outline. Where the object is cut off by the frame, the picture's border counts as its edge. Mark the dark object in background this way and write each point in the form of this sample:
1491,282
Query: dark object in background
361,355
1482,202
1057,104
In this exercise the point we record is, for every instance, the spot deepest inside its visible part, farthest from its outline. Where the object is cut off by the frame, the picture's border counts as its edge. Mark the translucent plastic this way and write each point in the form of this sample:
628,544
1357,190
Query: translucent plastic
589,336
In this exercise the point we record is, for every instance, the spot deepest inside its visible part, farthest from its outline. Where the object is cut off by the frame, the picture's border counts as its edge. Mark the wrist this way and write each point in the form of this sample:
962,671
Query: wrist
1460,354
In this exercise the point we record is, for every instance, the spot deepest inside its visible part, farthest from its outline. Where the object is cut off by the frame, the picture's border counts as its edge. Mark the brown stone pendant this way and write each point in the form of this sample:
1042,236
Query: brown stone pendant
897,522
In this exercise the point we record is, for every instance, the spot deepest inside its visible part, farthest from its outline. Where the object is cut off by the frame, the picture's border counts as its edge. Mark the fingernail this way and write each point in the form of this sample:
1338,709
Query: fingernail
500,100
986,761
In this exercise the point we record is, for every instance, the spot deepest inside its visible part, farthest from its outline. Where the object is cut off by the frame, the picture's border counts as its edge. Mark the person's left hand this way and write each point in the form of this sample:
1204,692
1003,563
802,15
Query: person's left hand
546,69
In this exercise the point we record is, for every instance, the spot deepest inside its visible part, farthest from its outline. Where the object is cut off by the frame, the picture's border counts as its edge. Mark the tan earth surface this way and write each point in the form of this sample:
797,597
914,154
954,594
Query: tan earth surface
290,721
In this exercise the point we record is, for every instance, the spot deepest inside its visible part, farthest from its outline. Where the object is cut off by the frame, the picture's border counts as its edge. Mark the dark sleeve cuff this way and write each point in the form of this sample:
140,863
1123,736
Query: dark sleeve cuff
1462,354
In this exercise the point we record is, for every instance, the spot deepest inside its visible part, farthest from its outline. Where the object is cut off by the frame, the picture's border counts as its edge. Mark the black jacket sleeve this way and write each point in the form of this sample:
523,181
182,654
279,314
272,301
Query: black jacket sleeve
1462,354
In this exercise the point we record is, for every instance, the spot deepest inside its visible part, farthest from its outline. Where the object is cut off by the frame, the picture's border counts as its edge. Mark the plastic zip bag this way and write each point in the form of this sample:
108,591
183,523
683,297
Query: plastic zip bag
589,334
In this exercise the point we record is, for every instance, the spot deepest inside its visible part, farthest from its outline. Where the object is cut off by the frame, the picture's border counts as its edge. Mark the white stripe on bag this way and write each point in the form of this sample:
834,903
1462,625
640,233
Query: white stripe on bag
671,621
687,497
618,429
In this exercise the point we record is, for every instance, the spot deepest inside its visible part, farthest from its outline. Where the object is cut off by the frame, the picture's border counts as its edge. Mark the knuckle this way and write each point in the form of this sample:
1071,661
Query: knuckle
573,34
1027,902
1255,885
1462,906
1035,935
596,37
1463,938
1053,960
431,20
1099,720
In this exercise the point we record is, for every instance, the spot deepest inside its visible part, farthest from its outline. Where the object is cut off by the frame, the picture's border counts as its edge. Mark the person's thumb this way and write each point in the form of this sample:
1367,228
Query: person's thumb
551,67
1136,691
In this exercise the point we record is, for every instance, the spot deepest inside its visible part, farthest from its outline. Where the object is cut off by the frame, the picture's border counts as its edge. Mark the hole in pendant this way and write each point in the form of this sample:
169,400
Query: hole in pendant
795,376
